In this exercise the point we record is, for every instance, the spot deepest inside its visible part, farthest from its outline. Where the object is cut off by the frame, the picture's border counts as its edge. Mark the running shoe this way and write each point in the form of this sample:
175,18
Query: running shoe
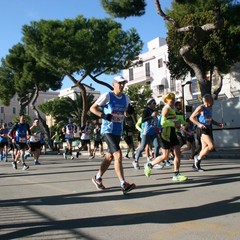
127,187
98,183
36,162
14,165
147,170
158,166
72,157
126,156
179,178
26,155
25,167
197,168
135,165
167,163
197,165
91,157
149,159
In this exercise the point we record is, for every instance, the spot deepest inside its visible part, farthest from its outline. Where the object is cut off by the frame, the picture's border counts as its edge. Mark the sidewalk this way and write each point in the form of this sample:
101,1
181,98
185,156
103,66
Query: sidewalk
220,153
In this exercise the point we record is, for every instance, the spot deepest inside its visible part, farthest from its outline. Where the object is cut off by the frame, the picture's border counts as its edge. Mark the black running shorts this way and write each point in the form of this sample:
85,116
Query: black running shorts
173,140
35,145
113,142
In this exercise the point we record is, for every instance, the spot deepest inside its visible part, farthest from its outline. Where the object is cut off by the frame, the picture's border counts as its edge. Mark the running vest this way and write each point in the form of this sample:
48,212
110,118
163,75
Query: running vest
69,133
167,123
171,116
3,131
97,134
150,127
86,131
21,133
116,106
35,134
206,117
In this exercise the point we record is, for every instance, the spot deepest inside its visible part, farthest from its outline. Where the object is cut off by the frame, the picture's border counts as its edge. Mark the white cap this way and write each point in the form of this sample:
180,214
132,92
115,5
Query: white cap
119,79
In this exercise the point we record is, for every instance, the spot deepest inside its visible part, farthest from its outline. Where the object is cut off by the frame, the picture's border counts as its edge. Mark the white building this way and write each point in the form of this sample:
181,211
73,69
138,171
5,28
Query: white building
72,91
153,71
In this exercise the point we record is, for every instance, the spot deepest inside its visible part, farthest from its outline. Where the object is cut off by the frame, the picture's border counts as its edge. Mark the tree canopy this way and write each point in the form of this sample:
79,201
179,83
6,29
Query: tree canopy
21,74
202,36
63,108
139,95
82,47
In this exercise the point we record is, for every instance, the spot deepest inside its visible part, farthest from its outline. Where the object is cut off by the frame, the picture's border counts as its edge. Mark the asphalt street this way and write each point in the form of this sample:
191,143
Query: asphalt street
57,200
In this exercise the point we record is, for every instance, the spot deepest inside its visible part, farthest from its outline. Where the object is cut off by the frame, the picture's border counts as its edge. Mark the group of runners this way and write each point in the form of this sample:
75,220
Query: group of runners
21,137
160,130
167,133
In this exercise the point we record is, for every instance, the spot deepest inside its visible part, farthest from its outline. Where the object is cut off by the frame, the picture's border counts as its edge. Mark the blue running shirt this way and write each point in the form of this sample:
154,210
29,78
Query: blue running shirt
206,117
116,106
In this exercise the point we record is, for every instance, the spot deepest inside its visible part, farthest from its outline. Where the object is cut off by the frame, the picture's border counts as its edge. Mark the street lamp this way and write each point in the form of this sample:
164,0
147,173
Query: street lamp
183,85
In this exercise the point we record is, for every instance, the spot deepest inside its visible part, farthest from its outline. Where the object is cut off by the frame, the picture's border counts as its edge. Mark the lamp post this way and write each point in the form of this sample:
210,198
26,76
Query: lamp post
183,85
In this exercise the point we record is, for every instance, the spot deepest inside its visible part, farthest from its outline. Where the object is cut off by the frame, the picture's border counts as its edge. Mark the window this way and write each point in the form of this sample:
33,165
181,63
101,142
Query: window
147,69
14,110
131,74
2,109
160,63
160,90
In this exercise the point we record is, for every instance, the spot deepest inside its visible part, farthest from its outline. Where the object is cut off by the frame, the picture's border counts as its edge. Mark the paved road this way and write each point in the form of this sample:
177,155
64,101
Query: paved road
57,200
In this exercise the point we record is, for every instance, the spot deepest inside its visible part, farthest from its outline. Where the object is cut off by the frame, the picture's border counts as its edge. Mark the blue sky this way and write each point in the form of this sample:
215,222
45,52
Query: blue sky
16,13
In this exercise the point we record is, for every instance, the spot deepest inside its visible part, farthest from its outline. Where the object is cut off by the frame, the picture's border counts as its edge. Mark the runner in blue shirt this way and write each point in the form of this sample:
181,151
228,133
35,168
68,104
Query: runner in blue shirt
202,117
112,107
22,134
4,142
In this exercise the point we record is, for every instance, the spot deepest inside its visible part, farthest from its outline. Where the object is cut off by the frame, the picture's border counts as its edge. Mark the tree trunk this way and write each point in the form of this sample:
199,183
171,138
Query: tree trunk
217,86
41,120
205,83
83,95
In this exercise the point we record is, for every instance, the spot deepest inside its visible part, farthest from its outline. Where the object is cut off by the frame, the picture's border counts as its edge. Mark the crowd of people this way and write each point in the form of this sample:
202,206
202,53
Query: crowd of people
23,140
162,135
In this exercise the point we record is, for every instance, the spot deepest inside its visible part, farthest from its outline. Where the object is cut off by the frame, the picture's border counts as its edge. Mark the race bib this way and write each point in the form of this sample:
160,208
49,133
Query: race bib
117,116
22,139
69,135
208,120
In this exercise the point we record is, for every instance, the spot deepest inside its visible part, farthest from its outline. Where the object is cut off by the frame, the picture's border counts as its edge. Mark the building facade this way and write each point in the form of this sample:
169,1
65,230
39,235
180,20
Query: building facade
7,113
152,70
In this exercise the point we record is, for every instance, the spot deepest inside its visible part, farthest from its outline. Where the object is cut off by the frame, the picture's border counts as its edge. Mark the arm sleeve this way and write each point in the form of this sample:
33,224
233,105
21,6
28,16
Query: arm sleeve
138,125
103,99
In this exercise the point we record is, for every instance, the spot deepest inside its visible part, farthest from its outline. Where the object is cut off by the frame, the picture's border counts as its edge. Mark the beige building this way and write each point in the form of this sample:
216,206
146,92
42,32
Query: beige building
7,113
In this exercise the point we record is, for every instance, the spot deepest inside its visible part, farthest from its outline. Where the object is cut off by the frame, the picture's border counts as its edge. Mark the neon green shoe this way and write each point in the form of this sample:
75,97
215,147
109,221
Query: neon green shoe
147,170
179,178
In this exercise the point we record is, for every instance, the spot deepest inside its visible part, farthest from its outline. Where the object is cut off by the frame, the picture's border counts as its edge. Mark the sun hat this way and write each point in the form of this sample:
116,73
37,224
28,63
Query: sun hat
151,101
119,79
